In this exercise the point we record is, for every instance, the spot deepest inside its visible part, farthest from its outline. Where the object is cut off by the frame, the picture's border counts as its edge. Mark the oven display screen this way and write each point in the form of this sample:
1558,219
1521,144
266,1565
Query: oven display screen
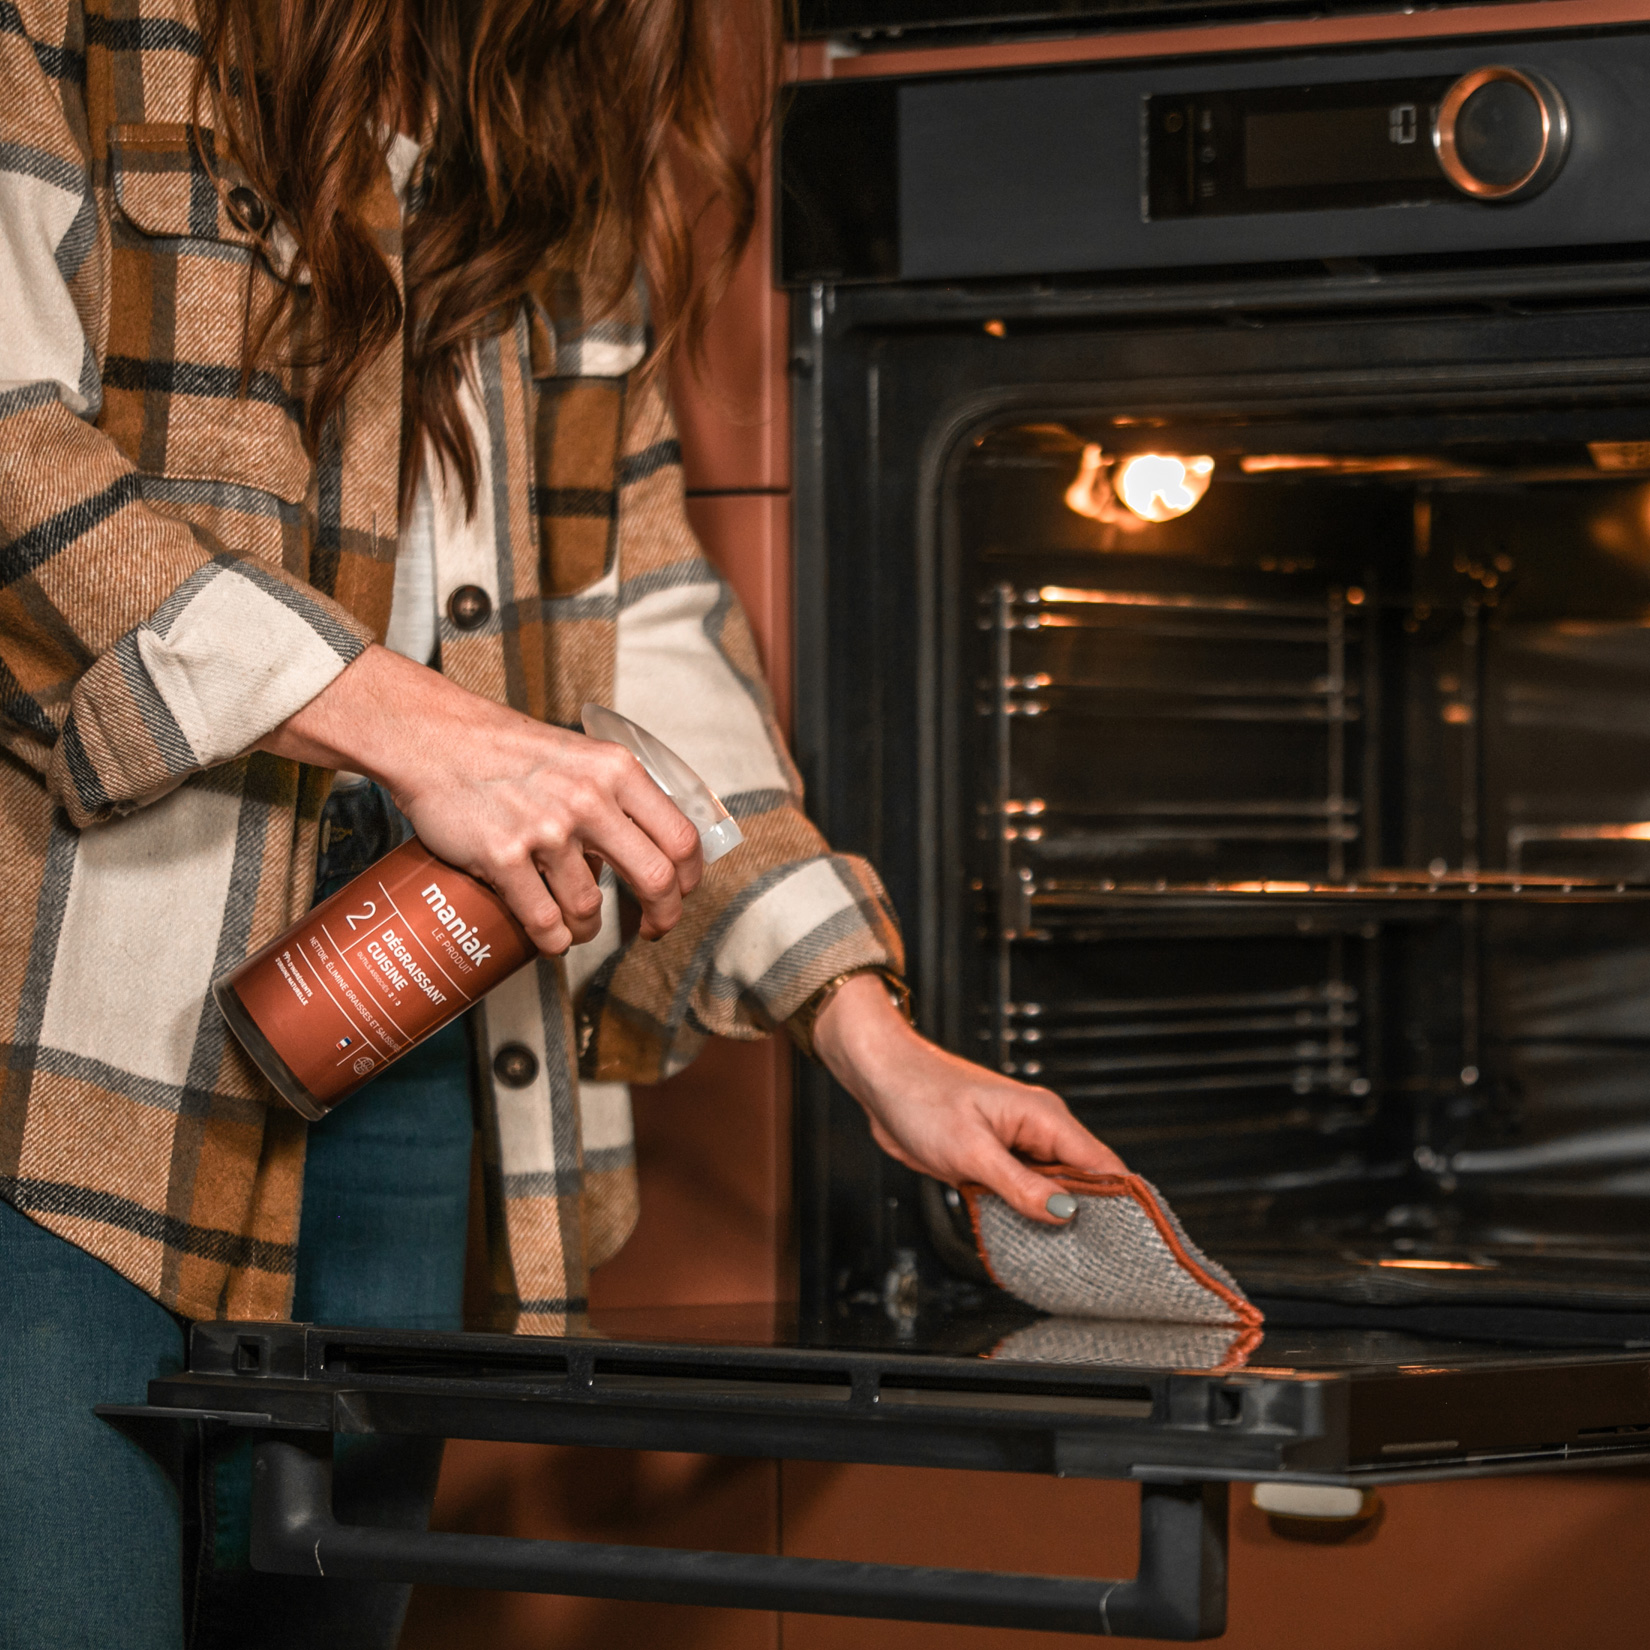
1307,148
1293,149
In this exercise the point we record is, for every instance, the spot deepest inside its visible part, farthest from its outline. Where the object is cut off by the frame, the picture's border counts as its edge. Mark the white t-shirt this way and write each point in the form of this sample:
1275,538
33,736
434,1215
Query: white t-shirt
412,626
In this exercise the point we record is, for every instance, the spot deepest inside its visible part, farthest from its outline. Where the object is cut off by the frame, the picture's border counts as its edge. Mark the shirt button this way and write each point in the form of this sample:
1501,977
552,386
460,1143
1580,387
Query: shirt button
469,606
247,210
515,1065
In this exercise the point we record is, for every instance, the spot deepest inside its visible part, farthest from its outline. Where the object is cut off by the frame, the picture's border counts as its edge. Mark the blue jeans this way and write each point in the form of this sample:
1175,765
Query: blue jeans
91,1530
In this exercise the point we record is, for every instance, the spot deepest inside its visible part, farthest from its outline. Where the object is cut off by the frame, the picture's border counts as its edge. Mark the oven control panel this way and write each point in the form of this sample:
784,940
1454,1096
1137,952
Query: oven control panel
1494,134
1467,147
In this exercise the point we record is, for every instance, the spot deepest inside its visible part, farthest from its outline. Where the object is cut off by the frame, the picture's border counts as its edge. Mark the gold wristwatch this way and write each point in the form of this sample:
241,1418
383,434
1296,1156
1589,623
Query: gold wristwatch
801,1024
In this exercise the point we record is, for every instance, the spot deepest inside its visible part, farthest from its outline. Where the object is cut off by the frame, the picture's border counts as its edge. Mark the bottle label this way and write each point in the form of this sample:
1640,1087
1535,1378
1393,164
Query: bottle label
376,968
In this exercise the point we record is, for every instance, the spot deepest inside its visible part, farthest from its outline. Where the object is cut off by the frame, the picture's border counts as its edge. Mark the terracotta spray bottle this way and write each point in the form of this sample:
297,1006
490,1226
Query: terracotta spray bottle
412,942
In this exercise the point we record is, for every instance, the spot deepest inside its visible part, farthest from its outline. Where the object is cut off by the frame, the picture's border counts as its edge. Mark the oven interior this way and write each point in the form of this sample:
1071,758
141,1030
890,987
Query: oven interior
1302,841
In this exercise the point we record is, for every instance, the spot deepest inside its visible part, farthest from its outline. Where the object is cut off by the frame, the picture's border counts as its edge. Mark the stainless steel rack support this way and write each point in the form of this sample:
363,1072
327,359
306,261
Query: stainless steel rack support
1178,1593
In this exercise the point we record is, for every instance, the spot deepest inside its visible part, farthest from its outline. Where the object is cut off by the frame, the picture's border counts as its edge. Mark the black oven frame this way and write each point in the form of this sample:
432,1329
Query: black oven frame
891,380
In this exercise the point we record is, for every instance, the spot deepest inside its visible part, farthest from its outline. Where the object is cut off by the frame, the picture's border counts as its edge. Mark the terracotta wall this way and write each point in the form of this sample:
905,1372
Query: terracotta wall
1504,1564
1496,1564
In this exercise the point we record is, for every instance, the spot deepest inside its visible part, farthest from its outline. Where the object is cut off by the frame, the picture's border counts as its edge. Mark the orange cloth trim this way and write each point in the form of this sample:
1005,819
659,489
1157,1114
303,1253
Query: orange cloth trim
1080,1184
1243,1348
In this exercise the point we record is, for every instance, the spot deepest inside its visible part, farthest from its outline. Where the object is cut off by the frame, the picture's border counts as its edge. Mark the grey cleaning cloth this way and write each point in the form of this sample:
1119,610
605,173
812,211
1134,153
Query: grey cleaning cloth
1206,1348
1122,1255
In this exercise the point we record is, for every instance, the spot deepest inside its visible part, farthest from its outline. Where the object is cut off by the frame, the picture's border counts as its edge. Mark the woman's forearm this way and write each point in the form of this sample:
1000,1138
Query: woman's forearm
943,1115
370,717
522,804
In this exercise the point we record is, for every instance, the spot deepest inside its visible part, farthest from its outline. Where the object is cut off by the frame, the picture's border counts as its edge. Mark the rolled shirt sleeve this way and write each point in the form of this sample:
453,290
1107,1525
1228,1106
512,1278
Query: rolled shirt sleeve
135,648
232,653
782,915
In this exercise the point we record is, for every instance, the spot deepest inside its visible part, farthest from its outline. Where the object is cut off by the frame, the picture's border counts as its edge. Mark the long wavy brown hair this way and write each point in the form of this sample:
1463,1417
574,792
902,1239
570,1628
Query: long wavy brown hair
582,138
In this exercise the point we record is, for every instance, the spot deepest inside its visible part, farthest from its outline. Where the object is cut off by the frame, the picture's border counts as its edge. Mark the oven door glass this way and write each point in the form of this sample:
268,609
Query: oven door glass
1308,842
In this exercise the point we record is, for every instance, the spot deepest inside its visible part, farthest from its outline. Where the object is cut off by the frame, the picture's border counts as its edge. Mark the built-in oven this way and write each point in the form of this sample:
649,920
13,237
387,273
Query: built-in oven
1222,495
1238,662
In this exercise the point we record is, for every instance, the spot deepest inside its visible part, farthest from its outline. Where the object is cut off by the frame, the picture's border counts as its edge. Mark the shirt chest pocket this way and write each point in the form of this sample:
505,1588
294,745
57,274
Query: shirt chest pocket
577,430
581,372
186,259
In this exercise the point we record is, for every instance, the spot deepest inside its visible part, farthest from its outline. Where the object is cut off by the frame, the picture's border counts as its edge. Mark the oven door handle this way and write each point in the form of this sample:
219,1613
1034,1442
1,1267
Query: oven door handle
1179,1592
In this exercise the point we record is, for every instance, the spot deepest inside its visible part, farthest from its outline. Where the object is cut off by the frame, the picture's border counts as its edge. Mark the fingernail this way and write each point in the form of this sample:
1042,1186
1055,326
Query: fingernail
1062,1205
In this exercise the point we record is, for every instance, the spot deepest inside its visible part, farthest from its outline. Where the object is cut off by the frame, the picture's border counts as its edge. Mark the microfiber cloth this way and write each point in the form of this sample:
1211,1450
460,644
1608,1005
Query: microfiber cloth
1205,1348
1122,1255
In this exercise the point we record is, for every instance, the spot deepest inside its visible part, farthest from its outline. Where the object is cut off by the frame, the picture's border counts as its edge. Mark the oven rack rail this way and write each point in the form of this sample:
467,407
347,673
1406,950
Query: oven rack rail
1069,1029
1095,833
1298,1041
1035,901
1322,691
1370,887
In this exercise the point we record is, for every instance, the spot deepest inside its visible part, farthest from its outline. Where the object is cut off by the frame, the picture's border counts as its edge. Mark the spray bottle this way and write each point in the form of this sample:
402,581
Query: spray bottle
395,954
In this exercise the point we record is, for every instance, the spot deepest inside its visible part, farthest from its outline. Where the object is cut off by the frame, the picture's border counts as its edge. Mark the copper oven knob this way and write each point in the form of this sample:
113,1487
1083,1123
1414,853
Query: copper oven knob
1501,134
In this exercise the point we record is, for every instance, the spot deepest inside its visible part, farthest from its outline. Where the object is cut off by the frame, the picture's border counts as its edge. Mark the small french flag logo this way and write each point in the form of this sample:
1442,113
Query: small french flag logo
346,1042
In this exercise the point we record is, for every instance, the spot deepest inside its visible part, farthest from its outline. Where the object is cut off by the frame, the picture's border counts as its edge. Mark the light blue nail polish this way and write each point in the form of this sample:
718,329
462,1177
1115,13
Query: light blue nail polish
1062,1205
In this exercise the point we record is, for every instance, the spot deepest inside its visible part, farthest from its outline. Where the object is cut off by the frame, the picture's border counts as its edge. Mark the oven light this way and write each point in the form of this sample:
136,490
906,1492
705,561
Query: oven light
1161,486
1131,493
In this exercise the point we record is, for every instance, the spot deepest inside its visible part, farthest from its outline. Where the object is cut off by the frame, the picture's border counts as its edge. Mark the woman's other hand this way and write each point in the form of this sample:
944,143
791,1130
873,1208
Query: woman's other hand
945,1116
528,808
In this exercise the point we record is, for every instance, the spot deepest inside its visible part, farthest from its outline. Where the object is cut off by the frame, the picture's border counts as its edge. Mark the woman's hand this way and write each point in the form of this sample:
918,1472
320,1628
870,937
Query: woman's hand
509,799
945,1116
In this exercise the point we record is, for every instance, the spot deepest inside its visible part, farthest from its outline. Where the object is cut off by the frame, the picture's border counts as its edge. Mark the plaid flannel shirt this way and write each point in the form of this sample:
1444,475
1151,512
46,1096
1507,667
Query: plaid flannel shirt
178,575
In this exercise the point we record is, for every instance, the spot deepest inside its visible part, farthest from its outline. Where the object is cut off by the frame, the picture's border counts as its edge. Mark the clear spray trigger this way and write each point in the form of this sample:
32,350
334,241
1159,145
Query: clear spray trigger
719,832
